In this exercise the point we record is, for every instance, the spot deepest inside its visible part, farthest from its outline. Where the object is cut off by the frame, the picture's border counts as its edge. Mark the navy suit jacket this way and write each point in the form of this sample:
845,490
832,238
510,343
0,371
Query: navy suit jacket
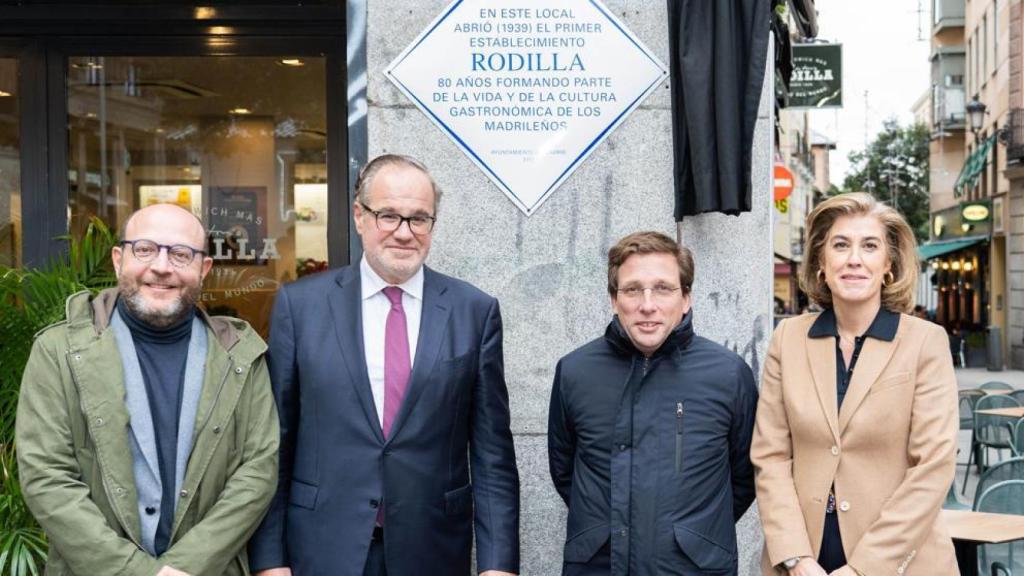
336,467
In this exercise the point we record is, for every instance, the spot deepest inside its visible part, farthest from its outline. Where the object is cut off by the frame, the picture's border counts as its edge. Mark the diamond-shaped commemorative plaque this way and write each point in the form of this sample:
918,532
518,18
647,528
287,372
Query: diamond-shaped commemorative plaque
527,88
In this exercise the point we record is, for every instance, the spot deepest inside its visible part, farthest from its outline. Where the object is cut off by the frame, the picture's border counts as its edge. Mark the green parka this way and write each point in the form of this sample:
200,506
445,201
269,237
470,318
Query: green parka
75,464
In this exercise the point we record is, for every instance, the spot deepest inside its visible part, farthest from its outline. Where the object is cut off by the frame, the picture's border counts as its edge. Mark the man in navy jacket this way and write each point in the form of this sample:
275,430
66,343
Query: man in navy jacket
387,375
649,429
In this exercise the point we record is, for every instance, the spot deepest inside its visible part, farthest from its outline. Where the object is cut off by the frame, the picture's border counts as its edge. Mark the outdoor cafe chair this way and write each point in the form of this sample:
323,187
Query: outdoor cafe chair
1018,395
968,398
1018,437
995,385
1010,469
1000,569
952,502
989,432
1002,498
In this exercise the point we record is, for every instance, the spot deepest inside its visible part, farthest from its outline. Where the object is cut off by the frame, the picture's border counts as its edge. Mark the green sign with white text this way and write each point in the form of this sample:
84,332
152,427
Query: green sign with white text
817,80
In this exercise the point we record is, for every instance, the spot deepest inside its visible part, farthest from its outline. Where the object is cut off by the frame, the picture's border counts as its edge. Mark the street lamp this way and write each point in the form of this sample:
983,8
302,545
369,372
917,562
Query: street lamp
976,115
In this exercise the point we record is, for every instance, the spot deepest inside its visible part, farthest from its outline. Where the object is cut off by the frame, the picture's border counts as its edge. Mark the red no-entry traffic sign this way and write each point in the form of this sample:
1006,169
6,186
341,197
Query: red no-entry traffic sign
783,182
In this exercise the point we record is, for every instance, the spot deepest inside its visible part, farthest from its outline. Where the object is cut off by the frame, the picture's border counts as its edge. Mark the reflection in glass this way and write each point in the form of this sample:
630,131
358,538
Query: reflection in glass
10,166
240,141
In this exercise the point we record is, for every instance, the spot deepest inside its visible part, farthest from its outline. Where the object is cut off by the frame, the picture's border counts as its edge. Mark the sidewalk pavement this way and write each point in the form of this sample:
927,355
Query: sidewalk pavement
974,377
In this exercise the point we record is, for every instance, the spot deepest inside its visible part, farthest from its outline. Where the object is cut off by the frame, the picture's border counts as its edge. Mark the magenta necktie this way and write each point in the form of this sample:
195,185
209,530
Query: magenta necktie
397,366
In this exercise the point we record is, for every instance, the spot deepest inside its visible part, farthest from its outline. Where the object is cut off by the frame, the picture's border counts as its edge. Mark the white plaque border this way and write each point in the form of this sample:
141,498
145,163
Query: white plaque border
476,159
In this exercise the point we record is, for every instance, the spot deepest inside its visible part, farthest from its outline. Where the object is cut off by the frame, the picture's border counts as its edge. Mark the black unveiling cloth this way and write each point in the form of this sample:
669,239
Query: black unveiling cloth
719,49
162,353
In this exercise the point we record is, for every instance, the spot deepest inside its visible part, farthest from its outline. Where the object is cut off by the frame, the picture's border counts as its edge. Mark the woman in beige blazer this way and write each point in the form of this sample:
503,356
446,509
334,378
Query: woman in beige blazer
852,465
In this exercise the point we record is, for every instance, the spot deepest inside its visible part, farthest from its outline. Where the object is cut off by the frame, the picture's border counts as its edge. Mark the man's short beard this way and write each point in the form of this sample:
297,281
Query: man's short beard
159,318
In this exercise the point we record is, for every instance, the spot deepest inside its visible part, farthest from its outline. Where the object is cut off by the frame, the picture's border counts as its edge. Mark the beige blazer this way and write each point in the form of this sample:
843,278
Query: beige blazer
890,452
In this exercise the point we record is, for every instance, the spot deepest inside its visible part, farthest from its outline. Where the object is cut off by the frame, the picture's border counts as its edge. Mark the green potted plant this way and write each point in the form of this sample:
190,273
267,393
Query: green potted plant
30,300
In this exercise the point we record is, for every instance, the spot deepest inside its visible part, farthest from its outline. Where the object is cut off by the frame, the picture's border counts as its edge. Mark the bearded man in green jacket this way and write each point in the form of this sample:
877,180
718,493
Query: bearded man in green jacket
146,431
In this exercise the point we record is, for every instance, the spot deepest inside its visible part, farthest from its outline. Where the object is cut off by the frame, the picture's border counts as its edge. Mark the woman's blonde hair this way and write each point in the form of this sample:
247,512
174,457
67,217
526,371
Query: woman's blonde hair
898,294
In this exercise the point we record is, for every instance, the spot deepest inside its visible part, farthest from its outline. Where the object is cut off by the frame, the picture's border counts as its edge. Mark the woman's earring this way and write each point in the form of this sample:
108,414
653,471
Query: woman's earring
890,276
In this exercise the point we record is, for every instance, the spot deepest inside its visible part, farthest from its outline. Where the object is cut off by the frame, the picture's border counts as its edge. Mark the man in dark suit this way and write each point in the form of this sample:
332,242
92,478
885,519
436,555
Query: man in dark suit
389,380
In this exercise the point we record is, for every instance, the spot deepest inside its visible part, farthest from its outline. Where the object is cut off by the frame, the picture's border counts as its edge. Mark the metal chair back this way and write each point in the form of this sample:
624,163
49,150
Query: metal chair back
1002,498
952,502
991,431
1011,469
1018,438
995,385
1017,395
968,398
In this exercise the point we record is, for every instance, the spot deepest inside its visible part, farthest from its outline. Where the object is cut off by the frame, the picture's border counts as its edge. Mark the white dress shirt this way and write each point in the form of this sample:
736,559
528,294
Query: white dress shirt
375,316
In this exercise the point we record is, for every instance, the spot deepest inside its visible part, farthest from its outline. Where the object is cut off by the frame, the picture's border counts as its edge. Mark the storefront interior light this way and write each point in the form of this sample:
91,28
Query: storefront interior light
967,286
935,264
88,64
968,266
292,62
240,111
955,265
4,94
945,265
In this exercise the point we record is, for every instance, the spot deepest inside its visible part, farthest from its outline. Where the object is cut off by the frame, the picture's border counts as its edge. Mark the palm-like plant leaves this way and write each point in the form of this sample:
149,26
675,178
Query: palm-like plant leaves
30,300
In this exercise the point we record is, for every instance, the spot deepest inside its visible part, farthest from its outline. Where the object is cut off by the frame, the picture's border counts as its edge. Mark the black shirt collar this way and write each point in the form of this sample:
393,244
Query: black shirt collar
883,327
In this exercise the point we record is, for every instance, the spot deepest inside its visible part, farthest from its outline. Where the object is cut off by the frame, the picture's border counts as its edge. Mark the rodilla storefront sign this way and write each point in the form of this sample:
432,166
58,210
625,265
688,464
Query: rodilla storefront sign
817,80
527,88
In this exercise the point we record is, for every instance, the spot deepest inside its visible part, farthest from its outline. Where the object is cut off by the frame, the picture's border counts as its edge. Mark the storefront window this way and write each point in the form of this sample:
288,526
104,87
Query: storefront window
240,141
10,166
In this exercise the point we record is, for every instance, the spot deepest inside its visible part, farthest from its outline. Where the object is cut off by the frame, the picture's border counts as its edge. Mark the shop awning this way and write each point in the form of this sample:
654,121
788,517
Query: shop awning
935,249
973,167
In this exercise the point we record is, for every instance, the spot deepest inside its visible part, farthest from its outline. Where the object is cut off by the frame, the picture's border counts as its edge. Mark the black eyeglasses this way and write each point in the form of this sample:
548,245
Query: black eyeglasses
179,255
389,221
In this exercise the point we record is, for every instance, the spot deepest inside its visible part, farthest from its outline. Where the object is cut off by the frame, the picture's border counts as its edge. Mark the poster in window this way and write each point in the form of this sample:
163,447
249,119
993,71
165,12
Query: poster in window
237,222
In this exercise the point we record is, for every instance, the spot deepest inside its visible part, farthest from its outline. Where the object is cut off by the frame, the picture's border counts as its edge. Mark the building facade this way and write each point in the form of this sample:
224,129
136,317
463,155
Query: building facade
967,256
1011,216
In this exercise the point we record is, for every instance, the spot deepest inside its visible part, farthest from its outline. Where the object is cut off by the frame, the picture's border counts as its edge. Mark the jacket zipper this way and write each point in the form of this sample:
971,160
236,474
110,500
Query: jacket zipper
679,437
643,368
